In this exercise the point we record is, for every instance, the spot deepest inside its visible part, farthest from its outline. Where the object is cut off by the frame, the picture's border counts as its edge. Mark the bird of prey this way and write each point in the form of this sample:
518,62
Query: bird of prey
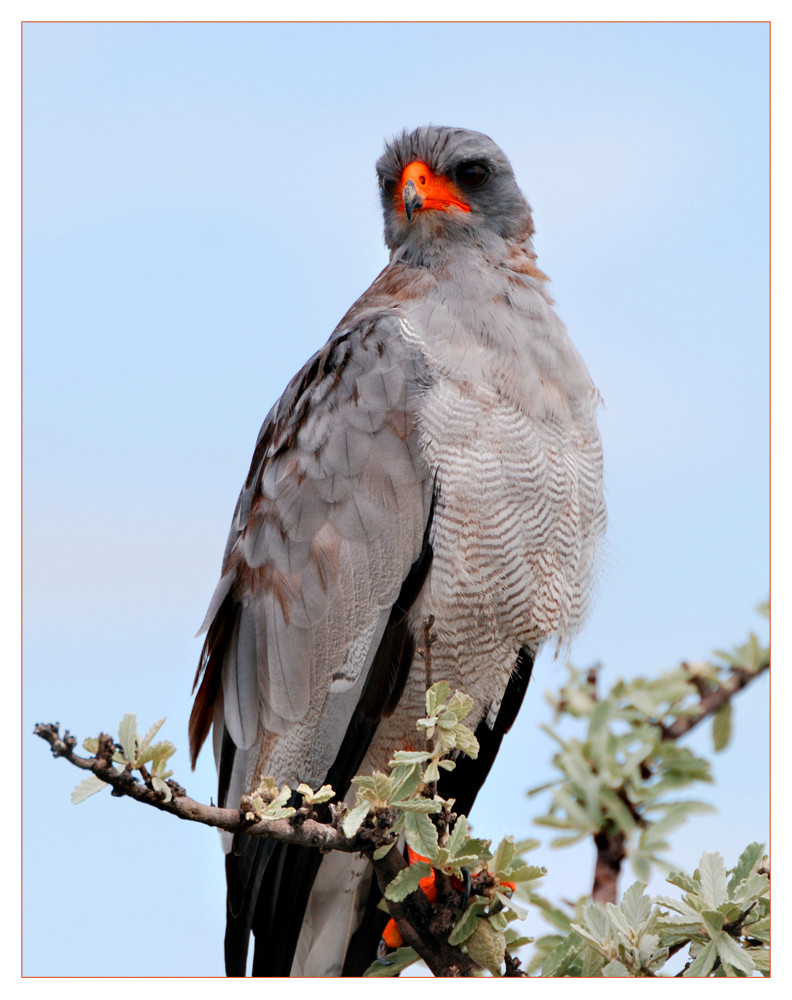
438,456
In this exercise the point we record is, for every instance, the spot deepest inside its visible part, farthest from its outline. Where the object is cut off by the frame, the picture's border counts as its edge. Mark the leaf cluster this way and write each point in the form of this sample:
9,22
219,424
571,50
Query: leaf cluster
623,775
132,753
267,801
722,920
407,797
724,915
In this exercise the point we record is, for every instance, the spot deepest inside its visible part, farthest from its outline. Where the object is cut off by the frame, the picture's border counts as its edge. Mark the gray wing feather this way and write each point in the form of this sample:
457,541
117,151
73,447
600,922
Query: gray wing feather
329,522
239,682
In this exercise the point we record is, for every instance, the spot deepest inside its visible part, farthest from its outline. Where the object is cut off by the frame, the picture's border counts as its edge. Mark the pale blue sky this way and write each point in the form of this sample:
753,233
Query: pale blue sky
200,209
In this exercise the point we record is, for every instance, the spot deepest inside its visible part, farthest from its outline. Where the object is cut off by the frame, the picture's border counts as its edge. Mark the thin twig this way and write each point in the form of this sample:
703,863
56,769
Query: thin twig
426,649
711,700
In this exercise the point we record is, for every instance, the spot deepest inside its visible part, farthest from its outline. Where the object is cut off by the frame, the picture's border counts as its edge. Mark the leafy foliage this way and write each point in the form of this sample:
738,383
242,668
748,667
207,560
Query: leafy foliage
722,920
619,779
408,797
624,774
134,754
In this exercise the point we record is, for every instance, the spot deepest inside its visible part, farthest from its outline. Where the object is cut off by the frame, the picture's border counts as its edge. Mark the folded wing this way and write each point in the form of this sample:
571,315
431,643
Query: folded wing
307,644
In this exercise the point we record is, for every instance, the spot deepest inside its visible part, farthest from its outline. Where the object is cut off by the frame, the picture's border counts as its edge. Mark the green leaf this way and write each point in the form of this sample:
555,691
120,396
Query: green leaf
323,794
277,809
458,834
353,820
509,903
397,960
514,941
410,757
591,966
128,736
615,968
642,864
751,888
612,805
465,740
146,742
552,914
573,838
424,806
382,851
407,779
683,881
733,955
722,727
159,754
407,881
760,958
364,782
421,834
750,859
562,956
503,855
437,695
526,873
382,787
468,922
599,717
86,788
703,963
432,772
713,921
712,874
461,705
541,788
635,906
161,786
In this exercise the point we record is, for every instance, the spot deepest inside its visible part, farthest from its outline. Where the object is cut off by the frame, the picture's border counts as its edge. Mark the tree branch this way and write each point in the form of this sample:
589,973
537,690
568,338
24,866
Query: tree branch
423,927
611,852
712,699
306,833
611,843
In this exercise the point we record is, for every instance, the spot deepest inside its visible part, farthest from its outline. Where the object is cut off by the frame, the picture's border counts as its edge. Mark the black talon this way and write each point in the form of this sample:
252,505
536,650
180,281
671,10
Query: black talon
468,883
382,951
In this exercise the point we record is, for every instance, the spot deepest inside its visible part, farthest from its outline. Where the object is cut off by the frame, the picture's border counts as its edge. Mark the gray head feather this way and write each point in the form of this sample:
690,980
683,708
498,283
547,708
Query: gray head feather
497,207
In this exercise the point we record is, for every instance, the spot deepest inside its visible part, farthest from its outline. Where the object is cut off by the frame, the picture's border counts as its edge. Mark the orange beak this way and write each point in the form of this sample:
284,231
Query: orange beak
420,189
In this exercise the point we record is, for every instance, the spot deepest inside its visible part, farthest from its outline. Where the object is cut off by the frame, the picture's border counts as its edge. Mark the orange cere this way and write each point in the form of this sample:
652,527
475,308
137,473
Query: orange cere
436,191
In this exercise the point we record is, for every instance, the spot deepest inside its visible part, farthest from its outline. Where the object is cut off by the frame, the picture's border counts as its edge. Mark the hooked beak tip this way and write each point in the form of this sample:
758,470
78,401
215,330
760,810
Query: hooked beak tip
411,198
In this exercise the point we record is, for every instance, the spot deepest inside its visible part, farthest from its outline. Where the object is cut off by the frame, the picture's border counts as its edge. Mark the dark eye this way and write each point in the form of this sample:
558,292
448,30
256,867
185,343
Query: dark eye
388,186
472,174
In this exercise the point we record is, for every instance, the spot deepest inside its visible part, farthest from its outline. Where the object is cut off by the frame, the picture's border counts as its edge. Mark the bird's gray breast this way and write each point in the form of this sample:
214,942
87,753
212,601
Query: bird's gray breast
511,437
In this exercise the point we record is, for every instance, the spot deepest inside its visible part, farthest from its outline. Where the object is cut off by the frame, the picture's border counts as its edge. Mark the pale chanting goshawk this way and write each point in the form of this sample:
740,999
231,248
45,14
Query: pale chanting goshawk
438,456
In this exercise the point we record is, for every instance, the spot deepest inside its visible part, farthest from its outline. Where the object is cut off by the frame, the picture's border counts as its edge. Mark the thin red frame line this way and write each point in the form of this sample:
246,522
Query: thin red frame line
21,340
172,21
770,443
21,505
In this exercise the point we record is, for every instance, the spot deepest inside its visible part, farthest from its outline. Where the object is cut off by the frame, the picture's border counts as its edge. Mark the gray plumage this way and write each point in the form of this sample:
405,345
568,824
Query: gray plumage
447,425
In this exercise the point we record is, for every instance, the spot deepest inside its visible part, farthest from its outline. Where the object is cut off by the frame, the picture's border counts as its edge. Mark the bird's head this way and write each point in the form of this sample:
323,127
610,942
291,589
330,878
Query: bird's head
440,183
